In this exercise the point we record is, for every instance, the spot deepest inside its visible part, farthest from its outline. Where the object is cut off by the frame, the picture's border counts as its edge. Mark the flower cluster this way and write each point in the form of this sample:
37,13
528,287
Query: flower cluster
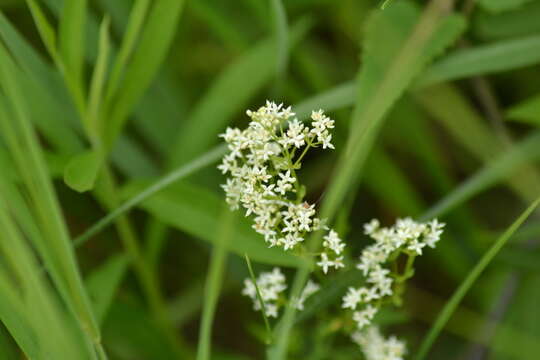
376,347
261,167
333,247
271,285
406,236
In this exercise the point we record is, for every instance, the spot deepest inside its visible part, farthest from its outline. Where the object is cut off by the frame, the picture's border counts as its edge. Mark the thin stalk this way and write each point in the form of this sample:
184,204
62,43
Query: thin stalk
465,286
213,283
182,172
260,298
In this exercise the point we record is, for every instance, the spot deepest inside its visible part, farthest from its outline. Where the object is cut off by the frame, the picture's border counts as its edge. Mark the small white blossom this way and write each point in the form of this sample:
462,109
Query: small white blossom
310,288
260,168
354,297
325,263
376,347
333,242
364,317
271,285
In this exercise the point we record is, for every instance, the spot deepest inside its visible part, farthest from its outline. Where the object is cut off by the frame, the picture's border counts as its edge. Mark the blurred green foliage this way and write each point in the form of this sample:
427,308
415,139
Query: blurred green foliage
437,112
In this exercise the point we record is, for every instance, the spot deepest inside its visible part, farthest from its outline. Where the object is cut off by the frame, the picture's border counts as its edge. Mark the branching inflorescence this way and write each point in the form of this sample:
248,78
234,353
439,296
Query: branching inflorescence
262,164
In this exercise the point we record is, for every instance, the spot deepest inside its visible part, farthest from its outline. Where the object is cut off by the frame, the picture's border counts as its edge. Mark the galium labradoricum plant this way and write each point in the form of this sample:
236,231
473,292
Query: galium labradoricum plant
262,164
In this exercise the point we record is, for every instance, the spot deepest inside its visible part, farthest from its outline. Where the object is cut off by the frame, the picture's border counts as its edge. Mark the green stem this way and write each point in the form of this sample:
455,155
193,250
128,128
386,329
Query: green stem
213,283
259,297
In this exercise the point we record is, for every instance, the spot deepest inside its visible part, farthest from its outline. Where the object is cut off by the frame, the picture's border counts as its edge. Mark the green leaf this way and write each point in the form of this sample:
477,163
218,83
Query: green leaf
154,43
394,53
484,59
520,22
501,5
46,31
28,158
469,281
196,211
82,170
71,40
527,111
103,282
136,20
96,97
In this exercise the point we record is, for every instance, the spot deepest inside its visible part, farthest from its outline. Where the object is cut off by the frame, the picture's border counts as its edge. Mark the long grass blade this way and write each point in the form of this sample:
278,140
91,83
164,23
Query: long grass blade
396,51
208,158
71,42
155,39
469,281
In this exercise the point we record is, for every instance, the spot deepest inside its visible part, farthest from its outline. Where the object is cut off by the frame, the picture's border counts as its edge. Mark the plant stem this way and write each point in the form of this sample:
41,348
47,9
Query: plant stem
259,297
213,283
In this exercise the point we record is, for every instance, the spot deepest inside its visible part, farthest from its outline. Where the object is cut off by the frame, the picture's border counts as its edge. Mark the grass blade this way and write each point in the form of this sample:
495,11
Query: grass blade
208,158
135,22
458,295
398,45
46,31
93,120
155,40
71,42
29,160
484,59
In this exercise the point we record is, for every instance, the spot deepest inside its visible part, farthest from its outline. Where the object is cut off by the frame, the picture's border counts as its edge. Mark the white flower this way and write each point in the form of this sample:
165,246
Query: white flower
353,297
364,317
309,290
376,347
260,174
333,242
325,263
416,246
371,227
270,285
271,310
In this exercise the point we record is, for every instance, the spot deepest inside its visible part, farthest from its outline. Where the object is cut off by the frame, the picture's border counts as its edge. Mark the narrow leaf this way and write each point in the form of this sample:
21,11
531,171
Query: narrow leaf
151,51
469,281
484,59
